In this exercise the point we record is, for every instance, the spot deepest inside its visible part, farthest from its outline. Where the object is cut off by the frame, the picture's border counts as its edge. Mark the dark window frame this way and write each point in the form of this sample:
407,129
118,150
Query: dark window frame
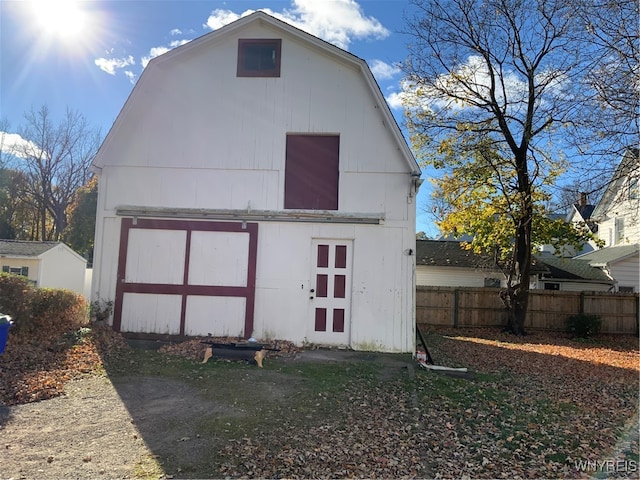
245,43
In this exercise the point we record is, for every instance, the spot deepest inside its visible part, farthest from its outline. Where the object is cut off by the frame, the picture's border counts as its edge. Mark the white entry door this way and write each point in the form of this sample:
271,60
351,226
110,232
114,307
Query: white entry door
330,294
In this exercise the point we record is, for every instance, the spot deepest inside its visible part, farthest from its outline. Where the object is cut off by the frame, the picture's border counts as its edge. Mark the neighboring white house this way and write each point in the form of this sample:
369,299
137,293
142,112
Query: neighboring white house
45,264
621,264
448,264
618,212
255,183
618,218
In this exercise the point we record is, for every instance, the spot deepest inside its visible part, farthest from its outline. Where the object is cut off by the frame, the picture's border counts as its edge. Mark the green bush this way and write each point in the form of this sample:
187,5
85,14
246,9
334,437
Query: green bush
584,325
40,308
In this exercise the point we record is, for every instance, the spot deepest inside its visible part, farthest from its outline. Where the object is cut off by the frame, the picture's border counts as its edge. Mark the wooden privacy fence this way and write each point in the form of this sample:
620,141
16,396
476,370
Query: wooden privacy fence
548,310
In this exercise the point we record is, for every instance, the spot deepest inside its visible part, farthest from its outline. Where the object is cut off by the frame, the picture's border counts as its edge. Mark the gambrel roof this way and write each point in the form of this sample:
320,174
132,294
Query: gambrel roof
298,35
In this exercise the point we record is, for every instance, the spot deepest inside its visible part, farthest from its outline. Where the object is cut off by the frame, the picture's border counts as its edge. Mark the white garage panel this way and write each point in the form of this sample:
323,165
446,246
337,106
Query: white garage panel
156,256
218,316
151,313
219,258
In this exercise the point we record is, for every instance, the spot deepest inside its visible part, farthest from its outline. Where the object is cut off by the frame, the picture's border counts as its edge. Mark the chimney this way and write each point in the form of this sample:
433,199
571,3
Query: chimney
582,199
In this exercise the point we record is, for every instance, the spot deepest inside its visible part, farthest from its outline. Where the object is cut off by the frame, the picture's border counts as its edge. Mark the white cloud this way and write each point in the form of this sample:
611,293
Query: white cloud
153,53
220,18
468,83
382,70
110,65
338,22
157,51
14,144
396,100
175,31
130,75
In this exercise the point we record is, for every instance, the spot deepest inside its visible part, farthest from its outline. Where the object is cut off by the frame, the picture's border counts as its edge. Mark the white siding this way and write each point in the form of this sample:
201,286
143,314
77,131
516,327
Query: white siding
627,272
231,137
61,267
193,135
453,276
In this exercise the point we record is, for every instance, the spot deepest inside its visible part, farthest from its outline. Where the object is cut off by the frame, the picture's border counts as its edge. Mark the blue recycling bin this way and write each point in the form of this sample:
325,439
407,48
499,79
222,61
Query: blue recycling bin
5,325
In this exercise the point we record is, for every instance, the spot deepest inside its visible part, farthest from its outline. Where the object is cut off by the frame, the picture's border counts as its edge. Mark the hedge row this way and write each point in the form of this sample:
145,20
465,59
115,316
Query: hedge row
40,308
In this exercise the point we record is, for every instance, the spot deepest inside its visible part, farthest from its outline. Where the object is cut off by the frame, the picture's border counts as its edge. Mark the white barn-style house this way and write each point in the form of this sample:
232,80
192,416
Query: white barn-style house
255,183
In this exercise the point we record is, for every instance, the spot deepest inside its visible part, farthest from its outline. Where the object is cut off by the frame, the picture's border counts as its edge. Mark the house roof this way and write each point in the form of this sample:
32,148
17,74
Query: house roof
571,269
443,253
630,161
438,253
24,248
33,249
584,211
315,42
606,256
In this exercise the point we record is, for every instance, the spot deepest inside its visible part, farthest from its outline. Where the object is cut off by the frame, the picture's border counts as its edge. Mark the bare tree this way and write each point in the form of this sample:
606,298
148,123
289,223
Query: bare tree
492,79
55,159
613,28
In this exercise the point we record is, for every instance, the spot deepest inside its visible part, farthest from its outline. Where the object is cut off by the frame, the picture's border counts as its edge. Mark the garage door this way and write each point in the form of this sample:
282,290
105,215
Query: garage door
186,277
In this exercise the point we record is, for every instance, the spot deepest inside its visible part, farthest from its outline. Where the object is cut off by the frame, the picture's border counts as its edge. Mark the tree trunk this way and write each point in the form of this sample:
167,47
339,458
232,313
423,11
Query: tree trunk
518,295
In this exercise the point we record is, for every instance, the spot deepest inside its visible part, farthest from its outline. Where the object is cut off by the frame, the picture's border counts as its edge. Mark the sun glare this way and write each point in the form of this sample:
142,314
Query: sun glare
64,18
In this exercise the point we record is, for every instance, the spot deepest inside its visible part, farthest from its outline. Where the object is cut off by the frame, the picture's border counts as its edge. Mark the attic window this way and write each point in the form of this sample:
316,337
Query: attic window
259,57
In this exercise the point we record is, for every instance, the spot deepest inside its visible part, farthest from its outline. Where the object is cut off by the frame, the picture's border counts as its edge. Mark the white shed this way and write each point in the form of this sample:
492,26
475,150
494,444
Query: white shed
255,183
45,264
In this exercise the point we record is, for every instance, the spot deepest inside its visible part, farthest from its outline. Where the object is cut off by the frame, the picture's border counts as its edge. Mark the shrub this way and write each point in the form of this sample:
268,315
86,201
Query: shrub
40,308
51,307
584,325
15,299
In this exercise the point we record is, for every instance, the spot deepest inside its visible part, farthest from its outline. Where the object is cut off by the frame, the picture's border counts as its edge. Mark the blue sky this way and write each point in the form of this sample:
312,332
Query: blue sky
88,55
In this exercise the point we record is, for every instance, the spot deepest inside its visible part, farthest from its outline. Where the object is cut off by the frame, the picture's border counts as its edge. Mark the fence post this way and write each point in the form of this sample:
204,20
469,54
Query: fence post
637,315
582,303
454,309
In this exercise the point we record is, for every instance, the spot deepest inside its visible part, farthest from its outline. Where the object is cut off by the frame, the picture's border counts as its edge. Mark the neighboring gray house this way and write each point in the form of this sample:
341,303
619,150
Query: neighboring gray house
447,263
45,264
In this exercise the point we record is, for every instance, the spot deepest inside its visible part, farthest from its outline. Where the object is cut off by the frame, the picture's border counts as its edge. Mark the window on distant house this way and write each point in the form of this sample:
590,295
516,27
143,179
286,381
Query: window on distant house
551,286
619,226
625,289
24,271
312,172
492,282
259,57
633,189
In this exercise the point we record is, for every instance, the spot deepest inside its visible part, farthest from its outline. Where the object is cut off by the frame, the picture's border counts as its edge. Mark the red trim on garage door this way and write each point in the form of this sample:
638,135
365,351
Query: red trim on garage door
248,291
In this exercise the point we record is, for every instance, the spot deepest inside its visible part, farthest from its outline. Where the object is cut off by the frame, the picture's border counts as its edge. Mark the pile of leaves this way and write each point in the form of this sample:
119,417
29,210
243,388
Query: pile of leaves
37,364
195,349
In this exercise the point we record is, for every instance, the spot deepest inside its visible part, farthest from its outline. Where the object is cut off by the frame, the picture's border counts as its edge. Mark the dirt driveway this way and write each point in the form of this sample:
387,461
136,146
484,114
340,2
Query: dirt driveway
117,426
